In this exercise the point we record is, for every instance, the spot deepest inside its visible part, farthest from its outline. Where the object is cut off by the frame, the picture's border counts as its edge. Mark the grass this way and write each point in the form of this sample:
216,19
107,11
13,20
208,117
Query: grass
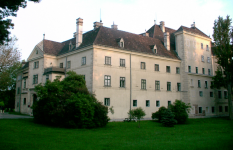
209,133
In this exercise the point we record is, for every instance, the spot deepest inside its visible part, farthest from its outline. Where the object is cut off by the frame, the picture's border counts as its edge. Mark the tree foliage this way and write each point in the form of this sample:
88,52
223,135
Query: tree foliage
158,114
68,103
167,118
138,113
180,110
223,51
9,8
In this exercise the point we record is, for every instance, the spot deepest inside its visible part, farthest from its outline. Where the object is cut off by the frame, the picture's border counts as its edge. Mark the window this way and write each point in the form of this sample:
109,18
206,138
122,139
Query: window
134,103
219,94
207,47
220,108
36,51
157,85
226,108
199,83
202,58
24,101
84,60
203,70
18,90
157,103
225,95
177,70
211,84
213,109
61,65
156,67
206,84
47,77
200,110
24,83
168,70
36,64
196,69
107,60
168,103
211,94
200,93
201,45
122,62
208,71
168,86
143,84
208,59
178,86
107,80
147,103
68,64
107,101
122,81
121,44
189,68
143,65
35,79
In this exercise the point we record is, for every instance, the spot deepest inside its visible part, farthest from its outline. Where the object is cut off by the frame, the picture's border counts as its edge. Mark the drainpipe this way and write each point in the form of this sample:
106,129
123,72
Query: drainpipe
130,85
66,67
21,76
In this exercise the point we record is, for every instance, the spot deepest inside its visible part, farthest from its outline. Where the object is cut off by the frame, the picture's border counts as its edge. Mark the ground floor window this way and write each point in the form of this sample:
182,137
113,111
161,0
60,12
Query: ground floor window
107,101
134,103
220,108
226,108
213,109
200,110
157,103
24,101
147,103
169,103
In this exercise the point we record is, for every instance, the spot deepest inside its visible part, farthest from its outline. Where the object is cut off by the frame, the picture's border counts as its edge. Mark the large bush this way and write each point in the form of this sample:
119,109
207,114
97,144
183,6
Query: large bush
180,110
158,114
168,118
68,103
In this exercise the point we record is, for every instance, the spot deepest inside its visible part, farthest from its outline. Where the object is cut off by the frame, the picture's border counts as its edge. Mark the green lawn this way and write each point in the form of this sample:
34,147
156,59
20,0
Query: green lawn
200,134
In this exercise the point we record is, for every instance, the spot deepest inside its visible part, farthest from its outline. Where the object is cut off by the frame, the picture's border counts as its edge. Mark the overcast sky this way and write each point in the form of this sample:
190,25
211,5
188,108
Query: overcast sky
57,18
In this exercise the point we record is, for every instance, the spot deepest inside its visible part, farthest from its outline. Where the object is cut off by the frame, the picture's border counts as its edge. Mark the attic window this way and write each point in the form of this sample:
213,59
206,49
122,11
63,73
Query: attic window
36,51
120,42
154,48
70,46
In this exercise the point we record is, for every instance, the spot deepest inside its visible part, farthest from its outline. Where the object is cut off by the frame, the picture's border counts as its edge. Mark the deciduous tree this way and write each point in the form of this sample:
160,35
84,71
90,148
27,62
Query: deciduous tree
9,8
224,54
139,113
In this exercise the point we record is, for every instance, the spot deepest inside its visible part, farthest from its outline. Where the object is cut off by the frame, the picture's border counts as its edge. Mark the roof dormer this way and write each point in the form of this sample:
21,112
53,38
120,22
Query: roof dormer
154,49
70,46
121,42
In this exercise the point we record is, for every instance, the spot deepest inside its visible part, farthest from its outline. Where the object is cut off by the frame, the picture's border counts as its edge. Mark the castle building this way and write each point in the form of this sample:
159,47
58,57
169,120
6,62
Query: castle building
127,70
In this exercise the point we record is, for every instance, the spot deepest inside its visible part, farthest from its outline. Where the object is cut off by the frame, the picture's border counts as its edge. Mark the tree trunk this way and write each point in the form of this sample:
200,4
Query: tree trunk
229,100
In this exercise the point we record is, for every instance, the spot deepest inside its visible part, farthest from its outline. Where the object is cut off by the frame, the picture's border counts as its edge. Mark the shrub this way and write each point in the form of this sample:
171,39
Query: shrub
168,118
68,103
138,113
180,110
158,114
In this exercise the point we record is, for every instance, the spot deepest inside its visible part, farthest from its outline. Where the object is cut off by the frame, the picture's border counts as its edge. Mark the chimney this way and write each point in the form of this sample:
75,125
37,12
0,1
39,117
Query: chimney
114,26
162,26
193,25
79,31
97,24
167,40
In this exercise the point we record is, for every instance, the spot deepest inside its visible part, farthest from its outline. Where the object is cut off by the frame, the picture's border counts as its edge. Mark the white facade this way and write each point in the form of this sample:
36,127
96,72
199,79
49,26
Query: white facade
128,79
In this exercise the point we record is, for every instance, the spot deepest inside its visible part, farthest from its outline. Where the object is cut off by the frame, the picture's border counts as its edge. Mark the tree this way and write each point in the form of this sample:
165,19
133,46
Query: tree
180,110
168,118
158,114
139,113
9,65
68,103
224,55
9,8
